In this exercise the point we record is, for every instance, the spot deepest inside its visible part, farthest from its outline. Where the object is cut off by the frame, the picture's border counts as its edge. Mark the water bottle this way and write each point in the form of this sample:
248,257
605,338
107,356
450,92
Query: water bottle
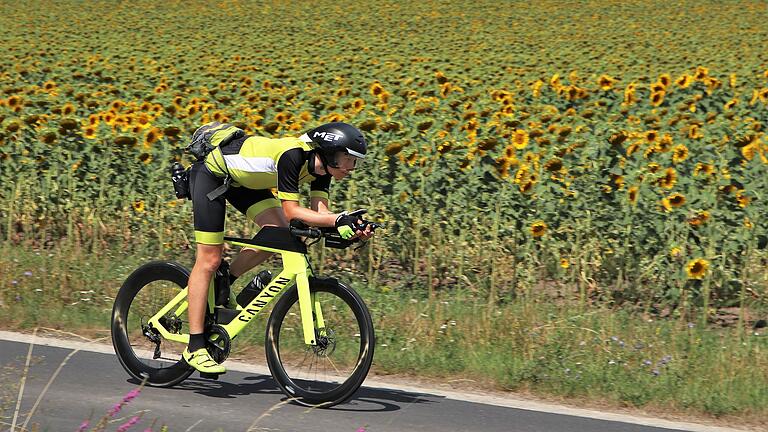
180,178
254,287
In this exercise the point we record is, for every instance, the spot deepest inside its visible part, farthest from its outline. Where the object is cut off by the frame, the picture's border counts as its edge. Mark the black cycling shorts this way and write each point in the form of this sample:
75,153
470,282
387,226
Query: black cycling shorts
209,215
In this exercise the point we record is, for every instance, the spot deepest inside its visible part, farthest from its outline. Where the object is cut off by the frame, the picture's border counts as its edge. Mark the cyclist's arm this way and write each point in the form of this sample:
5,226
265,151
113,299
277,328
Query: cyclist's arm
293,210
319,205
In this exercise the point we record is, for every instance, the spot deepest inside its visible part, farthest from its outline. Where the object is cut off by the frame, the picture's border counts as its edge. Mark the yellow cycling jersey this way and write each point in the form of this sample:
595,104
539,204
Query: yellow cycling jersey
258,162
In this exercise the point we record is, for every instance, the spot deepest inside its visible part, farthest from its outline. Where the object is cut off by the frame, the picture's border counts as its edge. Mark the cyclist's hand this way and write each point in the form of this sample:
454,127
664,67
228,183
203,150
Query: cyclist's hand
366,234
346,225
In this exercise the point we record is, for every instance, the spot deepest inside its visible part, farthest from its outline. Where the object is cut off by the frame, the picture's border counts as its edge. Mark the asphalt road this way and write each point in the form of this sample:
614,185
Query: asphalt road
90,383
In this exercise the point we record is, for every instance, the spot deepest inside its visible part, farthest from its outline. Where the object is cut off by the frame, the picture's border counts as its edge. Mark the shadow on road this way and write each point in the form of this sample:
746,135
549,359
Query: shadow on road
365,400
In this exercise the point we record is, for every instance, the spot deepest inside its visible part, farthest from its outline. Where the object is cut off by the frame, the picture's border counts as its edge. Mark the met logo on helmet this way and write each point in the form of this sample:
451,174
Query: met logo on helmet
327,136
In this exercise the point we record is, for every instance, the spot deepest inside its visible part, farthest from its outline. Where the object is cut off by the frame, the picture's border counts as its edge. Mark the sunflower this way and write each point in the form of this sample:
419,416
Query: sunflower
669,179
376,89
680,153
394,148
445,89
703,169
673,201
523,174
675,251
684,81
527,187
748,223
701,73
665,79
108,118
536,88
152,136
67,109
145,157
554,164
742,199
750,150
538,228
14,101
657,98
564,263
697,268
658,87
763,95
49,85
142,121
520,139
138,206
664,144
89,132
358,104
629,94
554,82
632,194
694,132
730,104
699,218
48,137
633,147
651,136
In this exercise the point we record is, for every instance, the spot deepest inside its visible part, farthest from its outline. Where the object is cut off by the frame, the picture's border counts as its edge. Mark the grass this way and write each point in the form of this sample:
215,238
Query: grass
565,349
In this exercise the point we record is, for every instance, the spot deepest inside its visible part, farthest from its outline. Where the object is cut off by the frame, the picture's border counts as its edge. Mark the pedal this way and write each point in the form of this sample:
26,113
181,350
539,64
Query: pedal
210,376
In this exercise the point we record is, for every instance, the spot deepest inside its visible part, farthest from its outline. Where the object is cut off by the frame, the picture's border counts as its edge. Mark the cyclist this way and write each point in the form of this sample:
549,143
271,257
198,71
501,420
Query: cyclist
255,165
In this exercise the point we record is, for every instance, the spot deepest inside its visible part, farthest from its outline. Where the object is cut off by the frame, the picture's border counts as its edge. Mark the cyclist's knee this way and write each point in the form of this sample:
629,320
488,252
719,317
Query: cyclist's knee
208,257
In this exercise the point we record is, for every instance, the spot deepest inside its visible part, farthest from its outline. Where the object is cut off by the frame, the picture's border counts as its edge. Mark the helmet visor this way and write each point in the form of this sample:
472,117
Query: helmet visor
345,161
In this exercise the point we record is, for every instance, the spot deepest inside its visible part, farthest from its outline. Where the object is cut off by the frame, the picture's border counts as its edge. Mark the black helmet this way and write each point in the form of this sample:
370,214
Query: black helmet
335,137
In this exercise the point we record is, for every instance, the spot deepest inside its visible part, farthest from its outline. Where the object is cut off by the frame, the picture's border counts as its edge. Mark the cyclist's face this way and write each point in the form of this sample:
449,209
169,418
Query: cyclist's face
345,164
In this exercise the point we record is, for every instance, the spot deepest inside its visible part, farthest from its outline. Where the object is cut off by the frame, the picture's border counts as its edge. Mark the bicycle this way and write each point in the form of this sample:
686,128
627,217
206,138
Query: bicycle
319,338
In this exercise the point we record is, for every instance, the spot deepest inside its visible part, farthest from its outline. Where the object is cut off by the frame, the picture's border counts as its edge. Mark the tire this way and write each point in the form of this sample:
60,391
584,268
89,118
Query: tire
143,293
331,372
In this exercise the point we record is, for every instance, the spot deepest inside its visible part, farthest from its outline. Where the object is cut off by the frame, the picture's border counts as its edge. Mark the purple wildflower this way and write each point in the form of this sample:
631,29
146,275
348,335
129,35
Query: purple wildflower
362,429
83,426
656,372
14,282
127,425
615,338
691,325
127,398
27,273
664,360
131,395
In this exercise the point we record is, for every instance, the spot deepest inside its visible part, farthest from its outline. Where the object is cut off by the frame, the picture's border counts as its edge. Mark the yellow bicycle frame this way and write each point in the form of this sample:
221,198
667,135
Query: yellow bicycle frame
295,268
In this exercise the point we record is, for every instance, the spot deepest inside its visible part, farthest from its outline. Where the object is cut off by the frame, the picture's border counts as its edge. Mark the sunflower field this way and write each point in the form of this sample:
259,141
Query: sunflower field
614,150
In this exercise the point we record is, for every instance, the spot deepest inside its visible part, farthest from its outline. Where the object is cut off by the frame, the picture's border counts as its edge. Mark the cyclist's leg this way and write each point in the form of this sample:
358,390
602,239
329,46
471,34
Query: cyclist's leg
209,234
263,208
